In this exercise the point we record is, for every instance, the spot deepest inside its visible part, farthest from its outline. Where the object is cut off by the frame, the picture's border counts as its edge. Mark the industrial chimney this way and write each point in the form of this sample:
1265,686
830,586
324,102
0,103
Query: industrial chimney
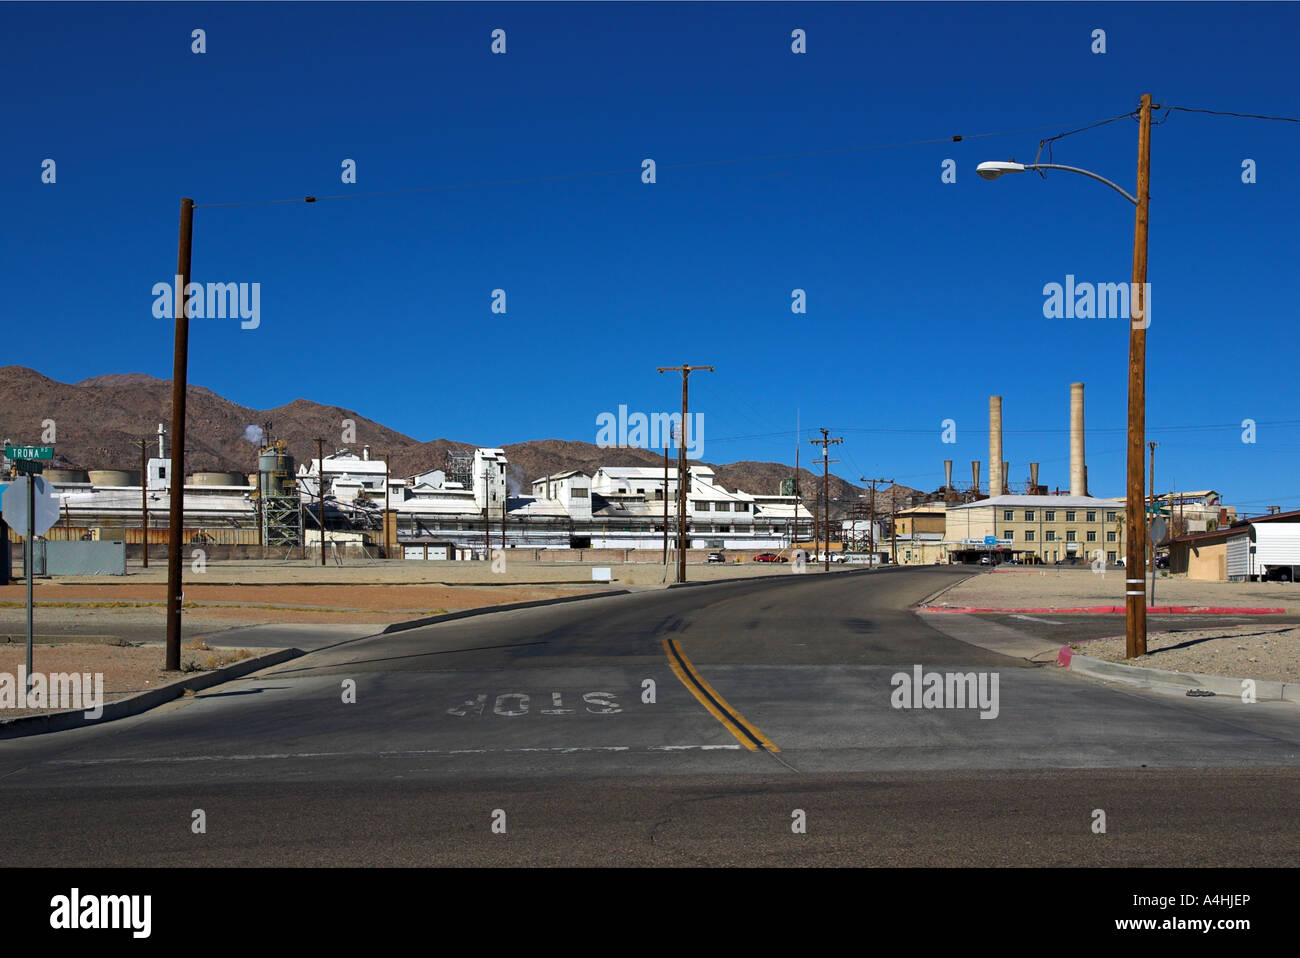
1033,478
975,473
997,478
947,479
1078,471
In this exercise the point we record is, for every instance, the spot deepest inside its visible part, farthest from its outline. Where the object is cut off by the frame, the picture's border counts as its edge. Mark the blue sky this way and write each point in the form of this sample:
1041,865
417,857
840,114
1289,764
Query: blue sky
923,297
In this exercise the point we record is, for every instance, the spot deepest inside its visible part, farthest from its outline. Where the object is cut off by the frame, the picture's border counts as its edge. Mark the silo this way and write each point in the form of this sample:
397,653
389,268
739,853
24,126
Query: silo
216,479
114,477
65,475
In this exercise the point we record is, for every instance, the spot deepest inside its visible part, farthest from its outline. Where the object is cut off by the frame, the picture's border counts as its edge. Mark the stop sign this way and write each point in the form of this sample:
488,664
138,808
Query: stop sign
14,505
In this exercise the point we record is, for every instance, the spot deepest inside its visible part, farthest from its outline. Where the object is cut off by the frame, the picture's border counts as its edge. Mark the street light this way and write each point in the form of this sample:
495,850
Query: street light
995,168
1135,618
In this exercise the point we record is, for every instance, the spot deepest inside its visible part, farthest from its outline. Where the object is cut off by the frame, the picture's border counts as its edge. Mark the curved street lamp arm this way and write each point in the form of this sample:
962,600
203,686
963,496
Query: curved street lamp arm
1074,169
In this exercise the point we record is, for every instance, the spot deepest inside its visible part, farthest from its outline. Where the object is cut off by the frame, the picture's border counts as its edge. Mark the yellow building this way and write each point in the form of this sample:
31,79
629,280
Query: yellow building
1037,528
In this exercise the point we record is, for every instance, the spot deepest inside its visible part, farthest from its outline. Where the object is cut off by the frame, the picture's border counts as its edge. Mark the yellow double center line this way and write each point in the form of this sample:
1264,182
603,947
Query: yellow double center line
717,706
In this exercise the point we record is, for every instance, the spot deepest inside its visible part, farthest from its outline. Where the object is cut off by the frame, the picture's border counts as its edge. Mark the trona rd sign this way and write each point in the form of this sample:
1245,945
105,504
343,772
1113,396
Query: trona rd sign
13,453
14,504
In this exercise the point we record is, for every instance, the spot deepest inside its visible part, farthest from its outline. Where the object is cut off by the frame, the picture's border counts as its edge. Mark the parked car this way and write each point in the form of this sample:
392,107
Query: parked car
717,557
770,557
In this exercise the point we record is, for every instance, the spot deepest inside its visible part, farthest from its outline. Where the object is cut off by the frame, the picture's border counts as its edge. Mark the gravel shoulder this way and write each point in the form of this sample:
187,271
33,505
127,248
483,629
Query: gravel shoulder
1061,588
1261,652
127,670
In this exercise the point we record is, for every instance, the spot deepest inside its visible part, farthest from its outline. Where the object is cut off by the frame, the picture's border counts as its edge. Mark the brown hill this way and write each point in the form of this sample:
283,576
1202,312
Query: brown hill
98,420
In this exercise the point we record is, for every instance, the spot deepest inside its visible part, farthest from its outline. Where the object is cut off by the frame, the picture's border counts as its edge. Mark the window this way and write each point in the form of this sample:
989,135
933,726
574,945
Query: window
1110,536
724,528
576,493
162,472
1008,514
1029,535
1049,515
1069,515
742,507
1092,516
1029,515
1050,535
1110,515
1110,557
1070,536
1092,535
701,505
722,507
1007,534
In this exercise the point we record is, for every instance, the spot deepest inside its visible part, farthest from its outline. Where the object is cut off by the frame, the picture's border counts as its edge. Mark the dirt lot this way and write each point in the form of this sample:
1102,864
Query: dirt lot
1260,652
127,670
1065,588
135,612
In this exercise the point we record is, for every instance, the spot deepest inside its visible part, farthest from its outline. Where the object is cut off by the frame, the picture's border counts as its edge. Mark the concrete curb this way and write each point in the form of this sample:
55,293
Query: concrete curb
924,604
1118,610
767,578
482,610
1265,691
122,708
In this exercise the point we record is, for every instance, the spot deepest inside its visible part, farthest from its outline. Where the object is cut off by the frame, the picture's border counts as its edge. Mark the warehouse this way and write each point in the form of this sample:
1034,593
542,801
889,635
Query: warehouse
1265,548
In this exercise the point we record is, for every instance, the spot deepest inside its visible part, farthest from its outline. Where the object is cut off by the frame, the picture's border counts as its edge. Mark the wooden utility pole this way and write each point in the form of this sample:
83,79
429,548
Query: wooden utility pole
1151,543
144,502
320,493
487,515
1135,618
665,506
871,523
685,370
387,550
176,497
826,442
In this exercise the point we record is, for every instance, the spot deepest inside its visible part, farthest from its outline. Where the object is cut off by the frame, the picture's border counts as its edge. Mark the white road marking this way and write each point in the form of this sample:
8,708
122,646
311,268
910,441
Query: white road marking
1033,619
556,749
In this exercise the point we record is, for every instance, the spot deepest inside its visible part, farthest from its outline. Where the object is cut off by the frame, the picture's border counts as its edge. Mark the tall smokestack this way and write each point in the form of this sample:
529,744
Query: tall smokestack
975,473
1033,478
1006,471
947,474
1078,472
997,480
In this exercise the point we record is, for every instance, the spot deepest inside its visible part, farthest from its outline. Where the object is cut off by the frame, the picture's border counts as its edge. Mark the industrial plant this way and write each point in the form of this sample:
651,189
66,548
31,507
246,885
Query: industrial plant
464,509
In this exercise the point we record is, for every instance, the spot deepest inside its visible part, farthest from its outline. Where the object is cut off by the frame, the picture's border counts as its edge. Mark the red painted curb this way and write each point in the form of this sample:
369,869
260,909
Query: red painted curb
1118,610
1063,657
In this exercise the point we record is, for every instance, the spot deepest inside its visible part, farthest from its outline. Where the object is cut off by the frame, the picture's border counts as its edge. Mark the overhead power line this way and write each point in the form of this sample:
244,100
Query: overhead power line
697,164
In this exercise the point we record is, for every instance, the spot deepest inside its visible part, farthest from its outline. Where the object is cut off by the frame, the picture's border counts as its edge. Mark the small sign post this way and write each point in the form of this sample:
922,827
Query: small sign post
27,462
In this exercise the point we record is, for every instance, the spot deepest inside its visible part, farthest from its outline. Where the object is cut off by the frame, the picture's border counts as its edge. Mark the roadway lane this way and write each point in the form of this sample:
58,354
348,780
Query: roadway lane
576,718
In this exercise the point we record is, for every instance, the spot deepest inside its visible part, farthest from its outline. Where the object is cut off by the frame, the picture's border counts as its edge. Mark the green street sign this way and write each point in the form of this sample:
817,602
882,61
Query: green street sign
28,467
29,452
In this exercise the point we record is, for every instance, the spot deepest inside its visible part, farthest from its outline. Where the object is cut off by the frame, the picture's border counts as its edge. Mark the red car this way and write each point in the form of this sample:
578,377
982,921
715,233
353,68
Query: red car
770,557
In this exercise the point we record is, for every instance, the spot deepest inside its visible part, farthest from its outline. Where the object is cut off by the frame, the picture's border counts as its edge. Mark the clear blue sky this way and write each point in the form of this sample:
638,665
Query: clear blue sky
923,297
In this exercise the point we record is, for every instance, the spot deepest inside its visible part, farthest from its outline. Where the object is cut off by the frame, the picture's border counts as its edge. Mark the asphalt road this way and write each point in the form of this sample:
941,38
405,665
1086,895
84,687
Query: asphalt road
694,726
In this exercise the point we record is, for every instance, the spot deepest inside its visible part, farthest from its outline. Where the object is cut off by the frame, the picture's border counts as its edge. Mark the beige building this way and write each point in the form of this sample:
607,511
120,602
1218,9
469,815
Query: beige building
920,539
1037,528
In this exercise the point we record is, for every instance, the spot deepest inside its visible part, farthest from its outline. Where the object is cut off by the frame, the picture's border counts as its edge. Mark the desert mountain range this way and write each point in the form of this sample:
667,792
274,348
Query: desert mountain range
98,421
